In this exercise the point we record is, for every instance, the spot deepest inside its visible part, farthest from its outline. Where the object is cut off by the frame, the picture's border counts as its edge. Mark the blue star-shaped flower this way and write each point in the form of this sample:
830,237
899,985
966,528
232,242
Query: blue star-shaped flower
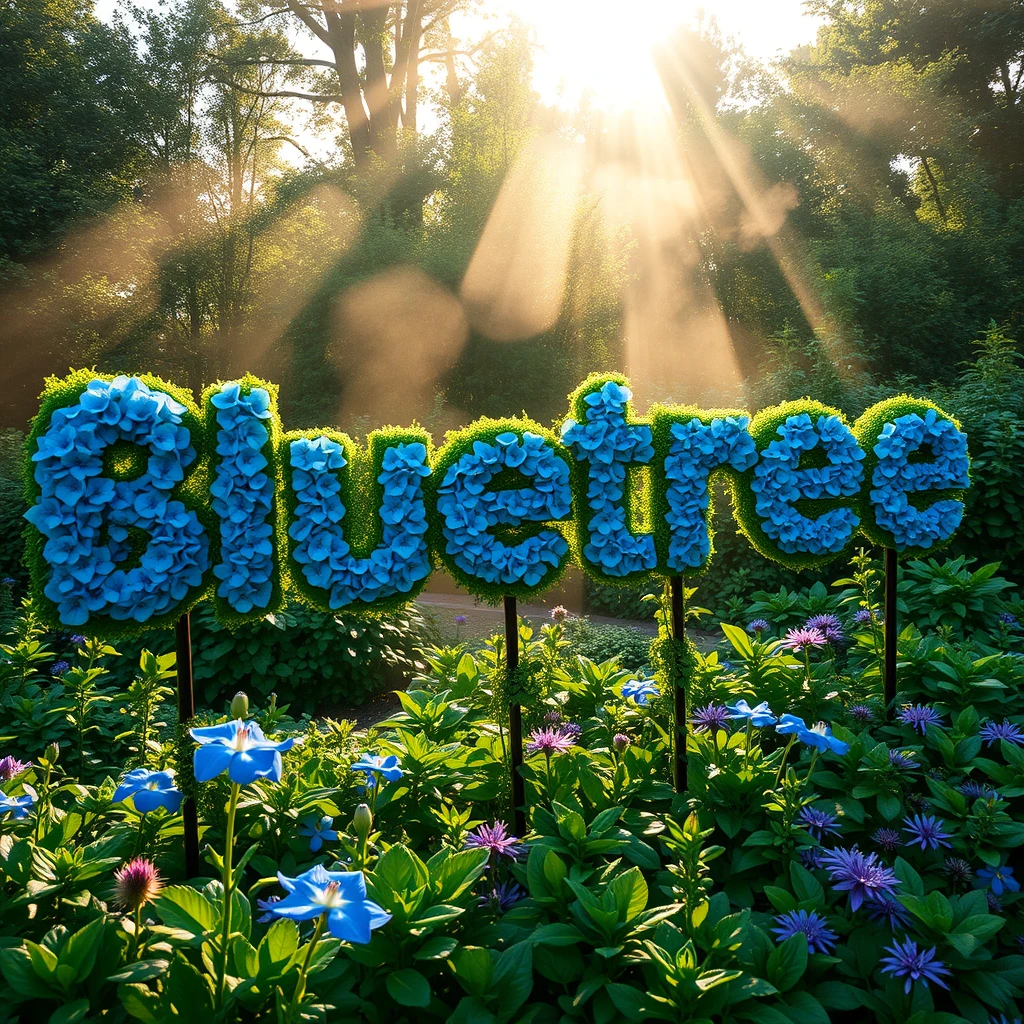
341,895
240,749
318,831
149,790
377,763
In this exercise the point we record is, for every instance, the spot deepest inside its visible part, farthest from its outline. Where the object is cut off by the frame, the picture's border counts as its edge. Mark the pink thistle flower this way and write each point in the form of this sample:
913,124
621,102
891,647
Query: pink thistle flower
549,741
137,883
496,839
10,767
800,639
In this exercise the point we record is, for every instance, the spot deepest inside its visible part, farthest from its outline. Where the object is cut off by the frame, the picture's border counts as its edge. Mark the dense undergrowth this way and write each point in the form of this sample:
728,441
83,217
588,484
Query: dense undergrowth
863,869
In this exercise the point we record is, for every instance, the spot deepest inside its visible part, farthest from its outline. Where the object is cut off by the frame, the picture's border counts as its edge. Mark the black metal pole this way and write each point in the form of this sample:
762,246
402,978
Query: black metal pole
186,710
679,696
891,632
515,717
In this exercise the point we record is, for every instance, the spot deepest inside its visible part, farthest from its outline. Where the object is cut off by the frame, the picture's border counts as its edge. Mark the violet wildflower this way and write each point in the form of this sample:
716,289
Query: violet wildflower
810,857
137,883
993,732
496,840
903,759
974,790
10,767
906,961
862,616
958,872
862,875
59,668
926,831
502,897
888,839
886,910
999,879
758,626
552,718
919,717
829,626
619,742
76,639
916,803
819,823
559,613
572,729
820,938
861,713
711,716
548,742
461,620
995,905
797,640
1009,620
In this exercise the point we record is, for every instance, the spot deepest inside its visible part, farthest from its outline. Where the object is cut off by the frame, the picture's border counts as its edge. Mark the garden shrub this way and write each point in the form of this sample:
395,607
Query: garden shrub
600,641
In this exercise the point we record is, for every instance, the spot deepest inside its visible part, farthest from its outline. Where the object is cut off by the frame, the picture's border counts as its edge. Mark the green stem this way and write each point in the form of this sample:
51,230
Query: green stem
782,763
810,771
300,984
138,931
229,844
746,748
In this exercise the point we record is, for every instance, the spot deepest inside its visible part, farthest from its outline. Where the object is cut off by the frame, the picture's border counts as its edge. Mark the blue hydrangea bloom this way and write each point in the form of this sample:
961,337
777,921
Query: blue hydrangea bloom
895,477
88,518
399,561
318,830
240,749
17,806
340,895
149,790
779,483
639,690
470,510
378,764
609,445
697,448
243,498
758,717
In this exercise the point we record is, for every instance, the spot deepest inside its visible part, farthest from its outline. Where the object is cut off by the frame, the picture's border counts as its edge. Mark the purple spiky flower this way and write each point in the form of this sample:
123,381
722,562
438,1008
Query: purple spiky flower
758,626
711,716
886,910
888,839
559,613
903,759
819,823
496,840
958,872
797,640
10,767
994,732
59,668
862,616
829,626
926,831
810,857
820,938
861,713
919,717
137,883
975,790
502,897
906,961
549,741
861,875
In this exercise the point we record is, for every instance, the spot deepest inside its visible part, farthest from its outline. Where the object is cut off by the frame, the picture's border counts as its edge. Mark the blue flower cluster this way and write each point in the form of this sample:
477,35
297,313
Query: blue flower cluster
779,483
243,497
470,510
92,522
696,449
610,445
895,477
401,559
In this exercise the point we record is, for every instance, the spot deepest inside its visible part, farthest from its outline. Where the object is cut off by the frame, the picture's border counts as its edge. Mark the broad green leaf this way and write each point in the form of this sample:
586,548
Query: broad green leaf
408,987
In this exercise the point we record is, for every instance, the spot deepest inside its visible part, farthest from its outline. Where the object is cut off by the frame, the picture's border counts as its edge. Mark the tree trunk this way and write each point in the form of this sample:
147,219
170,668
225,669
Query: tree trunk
411,39
341,30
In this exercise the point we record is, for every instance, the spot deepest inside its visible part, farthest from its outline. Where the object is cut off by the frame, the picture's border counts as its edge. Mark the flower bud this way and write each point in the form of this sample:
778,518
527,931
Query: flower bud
239,705
51,753
362,821
620,741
